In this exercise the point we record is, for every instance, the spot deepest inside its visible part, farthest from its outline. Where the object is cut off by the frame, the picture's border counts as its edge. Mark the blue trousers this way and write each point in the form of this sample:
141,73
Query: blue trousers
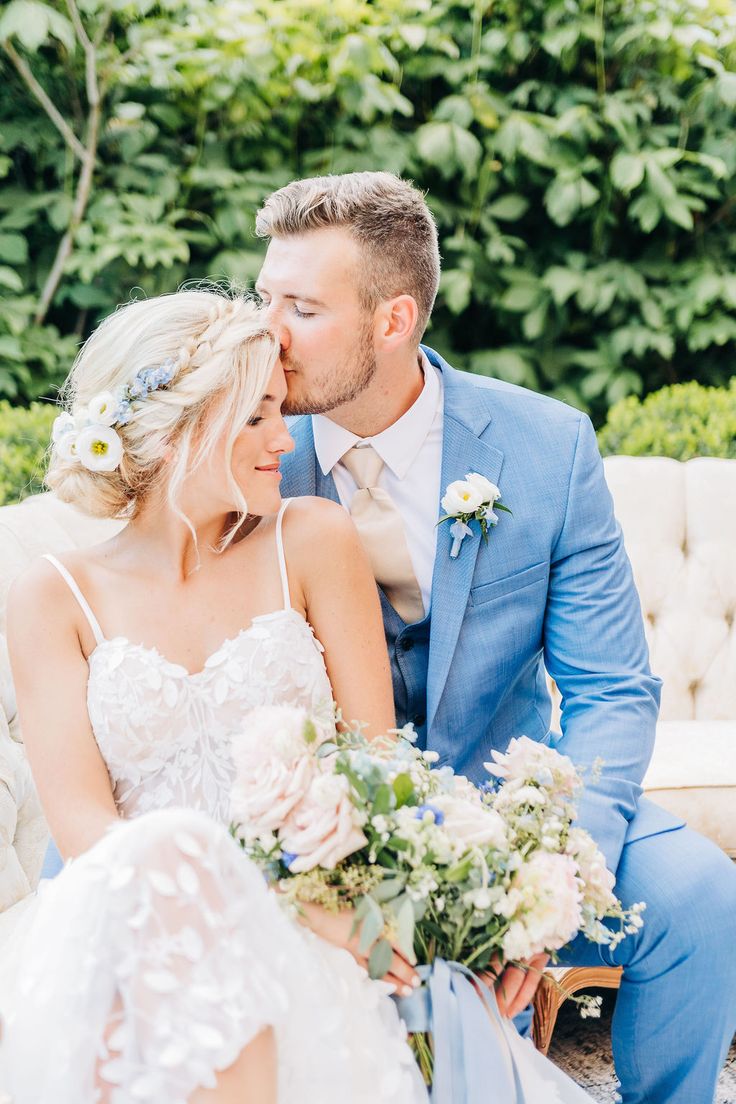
675,1012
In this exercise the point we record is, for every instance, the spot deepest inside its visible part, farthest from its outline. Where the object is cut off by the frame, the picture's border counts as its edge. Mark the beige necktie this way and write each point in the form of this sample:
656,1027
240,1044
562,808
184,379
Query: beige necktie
381,531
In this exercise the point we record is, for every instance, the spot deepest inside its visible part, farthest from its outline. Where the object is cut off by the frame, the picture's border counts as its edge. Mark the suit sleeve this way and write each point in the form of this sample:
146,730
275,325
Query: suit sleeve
596,652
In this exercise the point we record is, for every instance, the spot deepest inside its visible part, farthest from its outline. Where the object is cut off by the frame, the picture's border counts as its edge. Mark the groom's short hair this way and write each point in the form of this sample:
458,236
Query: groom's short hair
387,216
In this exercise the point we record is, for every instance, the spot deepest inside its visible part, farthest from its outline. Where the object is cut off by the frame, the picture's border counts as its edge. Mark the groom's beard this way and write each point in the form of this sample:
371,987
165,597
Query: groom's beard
339,386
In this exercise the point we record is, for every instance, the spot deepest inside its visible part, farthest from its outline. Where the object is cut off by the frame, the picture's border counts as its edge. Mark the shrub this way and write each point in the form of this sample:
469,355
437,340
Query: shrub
681,421
24,437
578,155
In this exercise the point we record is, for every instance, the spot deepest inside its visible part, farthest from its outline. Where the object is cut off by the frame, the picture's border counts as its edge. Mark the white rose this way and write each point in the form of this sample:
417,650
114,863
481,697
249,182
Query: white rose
99,448
103,408
489,491
324,827
470,823
274,767
461,498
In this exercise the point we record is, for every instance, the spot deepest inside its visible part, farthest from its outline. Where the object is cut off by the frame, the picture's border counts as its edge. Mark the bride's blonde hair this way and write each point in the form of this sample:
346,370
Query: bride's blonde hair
223,359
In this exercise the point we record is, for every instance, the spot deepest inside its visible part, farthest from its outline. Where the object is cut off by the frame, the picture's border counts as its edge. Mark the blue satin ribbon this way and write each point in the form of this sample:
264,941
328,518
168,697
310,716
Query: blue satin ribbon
472,1062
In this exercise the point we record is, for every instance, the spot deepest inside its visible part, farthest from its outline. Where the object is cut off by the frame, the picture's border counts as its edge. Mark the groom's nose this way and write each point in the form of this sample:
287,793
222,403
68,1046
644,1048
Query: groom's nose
282,335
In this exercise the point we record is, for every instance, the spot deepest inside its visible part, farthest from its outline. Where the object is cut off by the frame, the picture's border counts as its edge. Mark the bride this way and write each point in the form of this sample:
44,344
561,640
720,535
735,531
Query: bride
158,966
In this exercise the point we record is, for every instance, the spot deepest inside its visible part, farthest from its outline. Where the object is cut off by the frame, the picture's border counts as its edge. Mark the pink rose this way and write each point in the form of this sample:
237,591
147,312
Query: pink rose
274,766
543,905
324,827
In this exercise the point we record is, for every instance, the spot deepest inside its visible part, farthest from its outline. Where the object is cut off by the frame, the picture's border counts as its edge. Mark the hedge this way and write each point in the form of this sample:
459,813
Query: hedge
681,421
579,157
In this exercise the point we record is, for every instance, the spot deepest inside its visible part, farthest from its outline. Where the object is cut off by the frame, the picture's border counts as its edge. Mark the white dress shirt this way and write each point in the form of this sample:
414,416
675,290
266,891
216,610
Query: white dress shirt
411,450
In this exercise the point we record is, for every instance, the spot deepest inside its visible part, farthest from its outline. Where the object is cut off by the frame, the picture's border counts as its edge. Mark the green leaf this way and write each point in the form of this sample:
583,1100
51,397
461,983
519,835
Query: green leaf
560,39
658,181
520,297
403,788
562,283
677,211
627,171
647,211
509,208
379,962
389,888
9,278
384,800
33,23
562,200
13,248
449,147
405,929
456,285
533,323
371,927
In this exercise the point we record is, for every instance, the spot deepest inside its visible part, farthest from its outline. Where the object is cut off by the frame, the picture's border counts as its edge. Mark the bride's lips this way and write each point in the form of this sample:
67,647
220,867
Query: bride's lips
270,469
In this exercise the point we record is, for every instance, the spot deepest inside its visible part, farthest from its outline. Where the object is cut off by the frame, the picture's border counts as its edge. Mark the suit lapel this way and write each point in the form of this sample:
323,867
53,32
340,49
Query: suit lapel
302,473
467,416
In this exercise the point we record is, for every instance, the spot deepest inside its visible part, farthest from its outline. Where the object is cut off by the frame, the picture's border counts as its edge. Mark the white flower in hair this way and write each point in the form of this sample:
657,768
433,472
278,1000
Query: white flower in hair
99,448
66,444
64,424
103,409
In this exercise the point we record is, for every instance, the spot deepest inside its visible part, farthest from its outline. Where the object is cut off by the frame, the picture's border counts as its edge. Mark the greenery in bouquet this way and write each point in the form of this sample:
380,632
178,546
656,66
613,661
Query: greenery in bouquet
430,862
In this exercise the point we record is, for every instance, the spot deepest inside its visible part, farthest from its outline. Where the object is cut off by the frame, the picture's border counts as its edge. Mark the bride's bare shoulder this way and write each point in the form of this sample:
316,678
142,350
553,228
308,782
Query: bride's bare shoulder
310,512
309,518
40,586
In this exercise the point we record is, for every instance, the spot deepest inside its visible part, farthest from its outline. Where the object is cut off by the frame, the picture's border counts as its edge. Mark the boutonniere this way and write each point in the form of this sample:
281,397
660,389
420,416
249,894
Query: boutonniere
474,498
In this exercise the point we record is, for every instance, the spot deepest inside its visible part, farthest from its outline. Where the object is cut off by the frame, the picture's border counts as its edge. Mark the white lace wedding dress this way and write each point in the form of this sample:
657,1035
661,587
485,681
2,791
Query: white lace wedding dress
155,957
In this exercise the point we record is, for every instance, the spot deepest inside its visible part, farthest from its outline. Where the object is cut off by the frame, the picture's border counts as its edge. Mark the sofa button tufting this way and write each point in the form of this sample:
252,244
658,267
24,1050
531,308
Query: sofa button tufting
728,618
651,617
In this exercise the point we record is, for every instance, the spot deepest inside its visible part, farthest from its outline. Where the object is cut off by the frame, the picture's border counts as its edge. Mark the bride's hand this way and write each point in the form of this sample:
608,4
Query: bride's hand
336,927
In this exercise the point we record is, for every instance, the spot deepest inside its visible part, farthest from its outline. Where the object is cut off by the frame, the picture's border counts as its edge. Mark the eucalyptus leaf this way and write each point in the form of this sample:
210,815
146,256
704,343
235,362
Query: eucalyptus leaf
380,958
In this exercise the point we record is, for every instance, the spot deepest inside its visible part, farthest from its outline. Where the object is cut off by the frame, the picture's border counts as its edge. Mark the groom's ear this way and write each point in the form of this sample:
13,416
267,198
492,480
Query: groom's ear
396,321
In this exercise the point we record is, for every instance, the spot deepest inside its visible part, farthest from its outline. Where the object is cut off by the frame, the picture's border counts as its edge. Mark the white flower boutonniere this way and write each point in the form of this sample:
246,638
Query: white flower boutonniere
474,498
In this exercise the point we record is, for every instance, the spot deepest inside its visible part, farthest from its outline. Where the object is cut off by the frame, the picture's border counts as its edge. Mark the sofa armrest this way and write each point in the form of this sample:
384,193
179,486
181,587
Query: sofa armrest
23,831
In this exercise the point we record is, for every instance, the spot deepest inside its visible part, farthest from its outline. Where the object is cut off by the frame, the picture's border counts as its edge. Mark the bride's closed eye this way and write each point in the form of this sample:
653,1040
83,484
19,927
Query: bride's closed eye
301,313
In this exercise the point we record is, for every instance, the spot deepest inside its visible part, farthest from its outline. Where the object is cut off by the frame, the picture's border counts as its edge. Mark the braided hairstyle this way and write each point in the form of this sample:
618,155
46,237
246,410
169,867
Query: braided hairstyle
223,359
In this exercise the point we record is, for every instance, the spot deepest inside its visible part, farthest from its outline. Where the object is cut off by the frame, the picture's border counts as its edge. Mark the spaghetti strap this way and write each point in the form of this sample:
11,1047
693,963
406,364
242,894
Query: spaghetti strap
84,604
282,557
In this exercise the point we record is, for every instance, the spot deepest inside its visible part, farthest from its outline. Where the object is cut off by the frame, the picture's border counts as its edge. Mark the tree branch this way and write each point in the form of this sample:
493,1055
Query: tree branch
78,24
38,93
89,158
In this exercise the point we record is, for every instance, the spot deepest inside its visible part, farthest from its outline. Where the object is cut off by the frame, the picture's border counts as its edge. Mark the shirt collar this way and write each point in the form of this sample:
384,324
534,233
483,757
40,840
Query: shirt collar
399,445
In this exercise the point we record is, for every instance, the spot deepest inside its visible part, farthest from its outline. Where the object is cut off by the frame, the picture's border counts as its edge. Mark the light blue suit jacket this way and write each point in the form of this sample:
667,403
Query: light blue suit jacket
551,589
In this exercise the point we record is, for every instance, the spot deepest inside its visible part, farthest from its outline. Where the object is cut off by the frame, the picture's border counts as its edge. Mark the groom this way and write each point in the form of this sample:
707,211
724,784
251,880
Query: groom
386,425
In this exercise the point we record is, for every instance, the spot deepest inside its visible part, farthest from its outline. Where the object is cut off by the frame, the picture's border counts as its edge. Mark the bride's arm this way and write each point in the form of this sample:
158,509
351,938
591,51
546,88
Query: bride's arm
332,584
331,576
50,676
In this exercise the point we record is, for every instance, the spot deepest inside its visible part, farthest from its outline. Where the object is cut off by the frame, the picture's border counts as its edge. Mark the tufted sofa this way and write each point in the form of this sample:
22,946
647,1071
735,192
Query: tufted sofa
40,524
679,522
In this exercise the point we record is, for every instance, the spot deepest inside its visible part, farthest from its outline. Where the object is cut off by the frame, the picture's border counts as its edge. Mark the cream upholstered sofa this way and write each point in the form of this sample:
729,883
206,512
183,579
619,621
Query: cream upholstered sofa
40,524
679,522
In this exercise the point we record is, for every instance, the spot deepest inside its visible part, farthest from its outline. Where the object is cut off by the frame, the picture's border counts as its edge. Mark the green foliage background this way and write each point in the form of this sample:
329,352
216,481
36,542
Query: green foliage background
579,156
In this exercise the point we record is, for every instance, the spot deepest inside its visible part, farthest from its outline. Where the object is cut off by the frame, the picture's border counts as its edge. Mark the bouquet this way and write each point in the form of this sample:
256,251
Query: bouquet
449,872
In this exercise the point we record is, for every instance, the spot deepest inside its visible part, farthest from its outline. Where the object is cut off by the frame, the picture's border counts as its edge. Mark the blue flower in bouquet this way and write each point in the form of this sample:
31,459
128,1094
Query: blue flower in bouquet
430,810
288,857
